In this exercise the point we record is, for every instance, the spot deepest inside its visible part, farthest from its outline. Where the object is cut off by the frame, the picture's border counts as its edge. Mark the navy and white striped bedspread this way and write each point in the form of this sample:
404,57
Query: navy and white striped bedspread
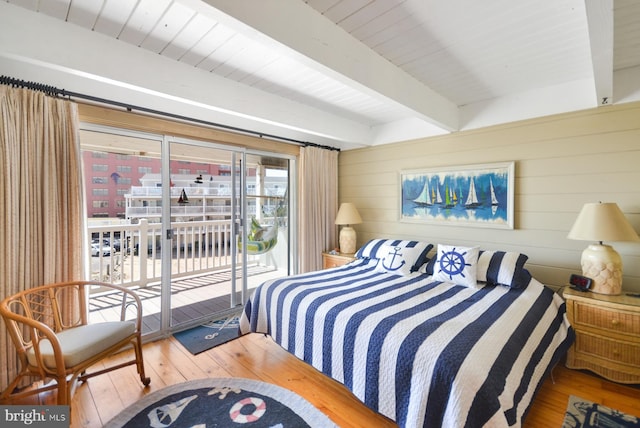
422,352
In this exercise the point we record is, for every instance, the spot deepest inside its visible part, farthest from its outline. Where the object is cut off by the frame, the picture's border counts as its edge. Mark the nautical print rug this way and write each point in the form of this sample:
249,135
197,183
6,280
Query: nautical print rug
207,336
583,413
222,402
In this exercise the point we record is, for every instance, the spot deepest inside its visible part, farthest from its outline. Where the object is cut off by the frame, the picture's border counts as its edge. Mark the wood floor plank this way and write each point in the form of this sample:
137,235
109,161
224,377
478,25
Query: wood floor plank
84,411
550,403
193,367
160,367
106,396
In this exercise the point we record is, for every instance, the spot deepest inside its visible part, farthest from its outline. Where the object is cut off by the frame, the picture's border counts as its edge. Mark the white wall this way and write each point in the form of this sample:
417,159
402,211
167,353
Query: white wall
562,162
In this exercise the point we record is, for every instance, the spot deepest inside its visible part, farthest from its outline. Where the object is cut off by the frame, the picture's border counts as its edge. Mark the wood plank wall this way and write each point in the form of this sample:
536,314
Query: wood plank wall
561,162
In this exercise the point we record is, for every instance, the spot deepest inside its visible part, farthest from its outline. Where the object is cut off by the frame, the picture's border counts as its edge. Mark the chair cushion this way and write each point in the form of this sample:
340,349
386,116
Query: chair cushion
82,343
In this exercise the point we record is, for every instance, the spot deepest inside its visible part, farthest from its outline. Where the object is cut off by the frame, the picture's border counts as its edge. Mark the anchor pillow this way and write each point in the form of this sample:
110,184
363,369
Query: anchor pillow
397,259
374,250
457,265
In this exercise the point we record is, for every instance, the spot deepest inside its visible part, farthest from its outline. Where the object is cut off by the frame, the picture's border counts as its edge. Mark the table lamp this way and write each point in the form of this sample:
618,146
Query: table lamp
348,214
602,222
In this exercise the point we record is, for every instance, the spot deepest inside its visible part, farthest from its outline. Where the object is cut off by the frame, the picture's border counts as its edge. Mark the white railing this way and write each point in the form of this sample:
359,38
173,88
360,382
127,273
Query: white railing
181,210
130,254
138,191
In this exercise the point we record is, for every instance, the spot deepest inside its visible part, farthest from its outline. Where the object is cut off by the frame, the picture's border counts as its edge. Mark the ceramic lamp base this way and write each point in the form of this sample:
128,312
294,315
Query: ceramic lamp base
347,240
603,265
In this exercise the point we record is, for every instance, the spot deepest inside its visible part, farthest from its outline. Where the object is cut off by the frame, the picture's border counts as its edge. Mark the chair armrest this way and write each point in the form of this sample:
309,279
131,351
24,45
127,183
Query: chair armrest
38,331
125,304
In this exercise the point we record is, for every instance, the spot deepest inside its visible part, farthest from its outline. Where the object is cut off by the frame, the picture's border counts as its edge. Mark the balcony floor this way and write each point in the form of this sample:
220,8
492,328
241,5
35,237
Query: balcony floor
194,299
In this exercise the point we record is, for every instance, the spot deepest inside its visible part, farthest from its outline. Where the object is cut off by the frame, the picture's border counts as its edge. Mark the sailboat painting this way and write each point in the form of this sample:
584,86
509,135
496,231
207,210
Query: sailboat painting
470,195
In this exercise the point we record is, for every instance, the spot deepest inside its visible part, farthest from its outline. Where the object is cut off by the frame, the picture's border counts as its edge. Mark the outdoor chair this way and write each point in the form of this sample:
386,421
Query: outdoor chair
56,345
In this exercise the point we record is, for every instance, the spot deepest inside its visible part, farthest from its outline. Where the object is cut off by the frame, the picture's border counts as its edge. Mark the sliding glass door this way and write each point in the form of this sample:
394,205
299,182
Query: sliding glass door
193,226
202,260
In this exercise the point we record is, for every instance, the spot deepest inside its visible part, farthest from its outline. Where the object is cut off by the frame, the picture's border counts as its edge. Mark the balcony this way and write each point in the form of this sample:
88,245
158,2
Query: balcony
201,260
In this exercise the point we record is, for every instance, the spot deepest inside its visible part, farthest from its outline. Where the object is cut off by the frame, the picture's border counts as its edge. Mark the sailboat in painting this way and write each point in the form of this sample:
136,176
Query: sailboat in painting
425,197
438,198
494,200
472,197
450,198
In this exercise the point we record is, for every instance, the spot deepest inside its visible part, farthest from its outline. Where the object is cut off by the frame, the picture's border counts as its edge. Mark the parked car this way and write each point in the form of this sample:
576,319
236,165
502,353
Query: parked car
97,249
115,245
136,249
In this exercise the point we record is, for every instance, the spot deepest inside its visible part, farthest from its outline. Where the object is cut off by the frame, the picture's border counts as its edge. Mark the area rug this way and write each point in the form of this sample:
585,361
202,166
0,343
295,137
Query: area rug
207,336
222,402
583,413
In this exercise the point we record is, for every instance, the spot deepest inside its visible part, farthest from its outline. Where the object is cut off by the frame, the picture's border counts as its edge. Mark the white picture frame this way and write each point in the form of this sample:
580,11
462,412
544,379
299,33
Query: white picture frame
469,195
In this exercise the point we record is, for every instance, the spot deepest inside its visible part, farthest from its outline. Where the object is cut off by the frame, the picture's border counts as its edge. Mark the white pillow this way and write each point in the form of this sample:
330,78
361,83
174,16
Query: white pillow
396,259
457,265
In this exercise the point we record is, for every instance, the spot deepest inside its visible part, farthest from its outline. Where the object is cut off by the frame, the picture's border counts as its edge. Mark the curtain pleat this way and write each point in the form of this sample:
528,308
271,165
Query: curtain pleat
318,201
41,200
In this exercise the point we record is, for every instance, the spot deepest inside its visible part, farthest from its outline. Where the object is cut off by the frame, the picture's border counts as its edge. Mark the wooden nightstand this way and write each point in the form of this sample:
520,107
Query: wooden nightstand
607,334
335,260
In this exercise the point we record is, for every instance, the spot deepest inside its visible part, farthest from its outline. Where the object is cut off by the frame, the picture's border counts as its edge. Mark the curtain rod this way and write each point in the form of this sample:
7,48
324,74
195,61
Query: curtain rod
56,92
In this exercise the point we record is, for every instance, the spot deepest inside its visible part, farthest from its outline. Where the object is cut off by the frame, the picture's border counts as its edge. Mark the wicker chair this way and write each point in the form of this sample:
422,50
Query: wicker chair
53,344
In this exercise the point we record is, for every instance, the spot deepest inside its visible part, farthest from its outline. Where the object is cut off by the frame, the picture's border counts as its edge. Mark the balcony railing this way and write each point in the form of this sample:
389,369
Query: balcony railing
181,210
139,191
130,254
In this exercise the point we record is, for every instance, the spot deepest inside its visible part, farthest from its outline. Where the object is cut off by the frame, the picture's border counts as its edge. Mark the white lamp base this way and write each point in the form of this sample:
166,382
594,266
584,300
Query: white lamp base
603,265
347,240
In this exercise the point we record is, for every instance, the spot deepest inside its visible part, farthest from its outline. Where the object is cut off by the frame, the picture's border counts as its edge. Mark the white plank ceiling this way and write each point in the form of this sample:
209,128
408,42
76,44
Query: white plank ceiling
347,73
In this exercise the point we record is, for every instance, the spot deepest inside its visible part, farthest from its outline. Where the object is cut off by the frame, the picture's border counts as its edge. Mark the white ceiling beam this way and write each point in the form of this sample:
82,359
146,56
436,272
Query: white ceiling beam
319,43
80,60
600,22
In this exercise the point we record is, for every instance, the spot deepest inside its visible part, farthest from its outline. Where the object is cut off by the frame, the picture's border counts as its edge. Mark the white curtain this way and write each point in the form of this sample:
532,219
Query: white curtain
318,205
41,199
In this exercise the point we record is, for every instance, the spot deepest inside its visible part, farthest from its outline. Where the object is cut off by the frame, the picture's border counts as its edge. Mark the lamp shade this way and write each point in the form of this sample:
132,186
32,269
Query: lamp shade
348,214
602,222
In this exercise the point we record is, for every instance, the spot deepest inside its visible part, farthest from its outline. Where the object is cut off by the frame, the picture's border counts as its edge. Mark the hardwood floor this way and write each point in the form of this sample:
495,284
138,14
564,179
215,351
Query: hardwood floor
256,356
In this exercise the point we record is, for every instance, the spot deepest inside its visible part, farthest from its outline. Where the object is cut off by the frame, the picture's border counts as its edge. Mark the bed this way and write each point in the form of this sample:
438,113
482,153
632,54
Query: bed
463,338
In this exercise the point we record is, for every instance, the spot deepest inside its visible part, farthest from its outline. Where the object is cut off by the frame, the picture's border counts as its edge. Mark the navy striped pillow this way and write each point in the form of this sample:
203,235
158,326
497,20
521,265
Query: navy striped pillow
504,268
430,266
371,250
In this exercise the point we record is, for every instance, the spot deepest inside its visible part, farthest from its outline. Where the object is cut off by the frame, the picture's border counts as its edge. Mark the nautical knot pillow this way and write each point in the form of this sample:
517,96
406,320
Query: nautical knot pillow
374,250
396,259
457,265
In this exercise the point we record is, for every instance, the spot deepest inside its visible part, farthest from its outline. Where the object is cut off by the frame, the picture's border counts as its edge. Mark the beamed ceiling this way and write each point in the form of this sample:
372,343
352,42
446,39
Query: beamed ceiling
344,73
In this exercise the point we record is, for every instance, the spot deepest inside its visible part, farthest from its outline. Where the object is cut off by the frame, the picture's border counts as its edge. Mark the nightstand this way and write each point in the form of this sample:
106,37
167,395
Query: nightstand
607,334
335,260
